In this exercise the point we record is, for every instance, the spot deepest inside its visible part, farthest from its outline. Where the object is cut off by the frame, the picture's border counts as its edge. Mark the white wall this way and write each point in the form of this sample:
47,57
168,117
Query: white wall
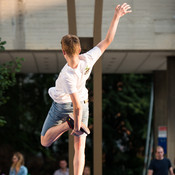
38,24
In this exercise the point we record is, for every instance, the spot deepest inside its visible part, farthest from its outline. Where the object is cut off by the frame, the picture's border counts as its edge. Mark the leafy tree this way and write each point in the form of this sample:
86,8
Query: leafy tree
2,43
29,103
125,109
125,101
8,71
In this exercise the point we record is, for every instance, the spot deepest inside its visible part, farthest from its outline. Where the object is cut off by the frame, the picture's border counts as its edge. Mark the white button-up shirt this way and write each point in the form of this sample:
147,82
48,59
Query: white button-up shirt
74,80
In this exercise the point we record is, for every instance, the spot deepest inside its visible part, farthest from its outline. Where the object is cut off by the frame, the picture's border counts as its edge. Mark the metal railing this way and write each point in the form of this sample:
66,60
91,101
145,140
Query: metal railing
149,138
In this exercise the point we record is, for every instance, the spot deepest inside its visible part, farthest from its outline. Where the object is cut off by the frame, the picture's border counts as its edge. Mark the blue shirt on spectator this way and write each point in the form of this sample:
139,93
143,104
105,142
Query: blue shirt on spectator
22,171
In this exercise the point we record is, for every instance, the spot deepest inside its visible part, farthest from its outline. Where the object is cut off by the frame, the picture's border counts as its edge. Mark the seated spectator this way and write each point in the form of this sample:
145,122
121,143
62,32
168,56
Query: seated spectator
87,170
17,167
63,170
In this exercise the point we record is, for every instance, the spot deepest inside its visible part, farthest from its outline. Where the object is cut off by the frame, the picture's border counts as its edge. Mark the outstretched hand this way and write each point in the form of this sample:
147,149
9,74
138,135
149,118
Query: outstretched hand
123,9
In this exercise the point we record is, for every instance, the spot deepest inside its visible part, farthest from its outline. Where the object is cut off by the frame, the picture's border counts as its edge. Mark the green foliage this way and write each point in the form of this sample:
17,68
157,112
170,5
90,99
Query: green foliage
29,104
2,121
2,43
8,72
125,111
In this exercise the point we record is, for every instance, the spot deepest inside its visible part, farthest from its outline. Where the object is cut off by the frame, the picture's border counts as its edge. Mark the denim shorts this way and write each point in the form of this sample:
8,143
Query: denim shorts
58,114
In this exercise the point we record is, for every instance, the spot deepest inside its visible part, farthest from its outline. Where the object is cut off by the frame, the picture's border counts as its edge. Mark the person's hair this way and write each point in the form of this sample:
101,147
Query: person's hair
62,160
20,161
159,147
70,44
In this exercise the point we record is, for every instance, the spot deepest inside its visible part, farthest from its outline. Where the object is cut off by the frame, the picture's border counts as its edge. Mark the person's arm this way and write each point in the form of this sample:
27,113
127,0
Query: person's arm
120,10
77,113
23,170
171,171
150,172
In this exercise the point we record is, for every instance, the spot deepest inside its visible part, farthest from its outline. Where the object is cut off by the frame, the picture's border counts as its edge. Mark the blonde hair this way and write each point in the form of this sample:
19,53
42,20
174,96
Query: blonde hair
19,163
70,44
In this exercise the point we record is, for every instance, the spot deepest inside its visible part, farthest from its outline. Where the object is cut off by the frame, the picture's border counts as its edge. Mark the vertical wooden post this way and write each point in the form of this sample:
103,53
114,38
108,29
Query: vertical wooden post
97,85
71,17
160,102
72,30
171,109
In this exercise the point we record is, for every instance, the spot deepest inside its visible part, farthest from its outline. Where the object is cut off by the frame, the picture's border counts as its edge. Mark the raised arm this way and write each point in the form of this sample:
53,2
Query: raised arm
120,10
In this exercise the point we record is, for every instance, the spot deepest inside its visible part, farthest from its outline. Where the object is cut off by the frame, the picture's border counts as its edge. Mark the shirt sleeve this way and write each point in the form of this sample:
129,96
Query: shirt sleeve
151,166
11,172
23,171
69,84
169,164
93,55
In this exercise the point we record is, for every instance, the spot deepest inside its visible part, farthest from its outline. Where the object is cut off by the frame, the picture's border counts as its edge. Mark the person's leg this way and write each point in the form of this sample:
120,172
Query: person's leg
79,144
79,156
53,134
55,123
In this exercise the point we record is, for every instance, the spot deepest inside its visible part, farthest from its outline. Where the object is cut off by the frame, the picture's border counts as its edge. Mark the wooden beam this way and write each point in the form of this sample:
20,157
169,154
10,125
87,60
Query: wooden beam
97,88
97,21
171,109
71,17
160,103
86,43
72,30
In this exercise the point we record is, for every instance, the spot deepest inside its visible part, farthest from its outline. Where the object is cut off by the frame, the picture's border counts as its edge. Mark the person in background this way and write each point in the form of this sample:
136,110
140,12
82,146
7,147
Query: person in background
63,168
160,165
87,170
17,167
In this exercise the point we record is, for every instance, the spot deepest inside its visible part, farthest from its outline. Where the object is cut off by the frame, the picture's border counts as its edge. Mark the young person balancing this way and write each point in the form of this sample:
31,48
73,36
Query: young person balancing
70,96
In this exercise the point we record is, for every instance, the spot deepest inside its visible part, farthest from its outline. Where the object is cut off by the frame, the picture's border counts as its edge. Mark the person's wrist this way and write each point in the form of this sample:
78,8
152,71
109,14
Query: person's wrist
117,16
76,129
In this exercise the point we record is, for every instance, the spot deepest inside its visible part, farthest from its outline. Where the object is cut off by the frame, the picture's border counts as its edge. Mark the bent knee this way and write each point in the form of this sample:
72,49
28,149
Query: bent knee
44,142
